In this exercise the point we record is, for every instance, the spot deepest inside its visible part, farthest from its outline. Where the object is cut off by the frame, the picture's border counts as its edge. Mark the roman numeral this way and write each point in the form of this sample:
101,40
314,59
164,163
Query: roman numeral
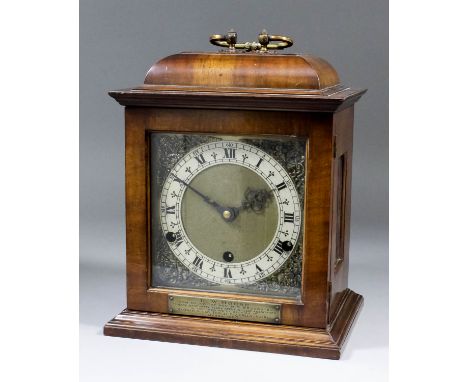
281,186
170,210
198,262
200,159
178,239
229,153
278,248
260,161
288,218
227,273
258,268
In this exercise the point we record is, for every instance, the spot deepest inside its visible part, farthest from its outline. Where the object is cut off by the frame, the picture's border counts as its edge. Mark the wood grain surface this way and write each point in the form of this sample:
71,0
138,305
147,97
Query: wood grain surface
310,342
317,128
329,100
251,70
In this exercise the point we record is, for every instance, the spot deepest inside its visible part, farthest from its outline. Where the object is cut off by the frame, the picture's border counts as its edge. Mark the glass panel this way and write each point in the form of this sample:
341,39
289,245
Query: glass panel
340,213
227,213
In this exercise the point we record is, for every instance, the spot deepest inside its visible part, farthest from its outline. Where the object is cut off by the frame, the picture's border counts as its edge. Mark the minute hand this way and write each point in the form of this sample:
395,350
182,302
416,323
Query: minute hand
228,213
204,197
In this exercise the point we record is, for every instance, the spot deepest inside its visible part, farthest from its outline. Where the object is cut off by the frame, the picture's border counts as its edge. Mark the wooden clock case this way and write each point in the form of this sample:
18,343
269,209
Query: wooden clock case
248,94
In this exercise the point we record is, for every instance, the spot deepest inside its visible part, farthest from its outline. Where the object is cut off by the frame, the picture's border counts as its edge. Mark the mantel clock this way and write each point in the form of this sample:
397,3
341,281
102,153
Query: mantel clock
238,176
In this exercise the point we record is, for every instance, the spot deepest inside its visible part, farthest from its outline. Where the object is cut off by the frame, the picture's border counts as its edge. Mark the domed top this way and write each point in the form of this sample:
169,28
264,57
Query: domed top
243,70
243,80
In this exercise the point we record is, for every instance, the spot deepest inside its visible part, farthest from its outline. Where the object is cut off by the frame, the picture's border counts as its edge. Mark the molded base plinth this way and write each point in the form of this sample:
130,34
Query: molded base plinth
310,342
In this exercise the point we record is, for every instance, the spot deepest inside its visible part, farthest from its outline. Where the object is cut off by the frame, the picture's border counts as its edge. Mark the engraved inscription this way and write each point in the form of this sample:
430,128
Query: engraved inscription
225,308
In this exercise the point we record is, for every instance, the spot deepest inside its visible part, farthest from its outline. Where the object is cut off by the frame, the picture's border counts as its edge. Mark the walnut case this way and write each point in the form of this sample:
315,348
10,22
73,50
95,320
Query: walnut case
248,93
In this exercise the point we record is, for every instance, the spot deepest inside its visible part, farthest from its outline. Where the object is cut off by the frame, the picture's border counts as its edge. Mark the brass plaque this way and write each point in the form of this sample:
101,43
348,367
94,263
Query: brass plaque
225,308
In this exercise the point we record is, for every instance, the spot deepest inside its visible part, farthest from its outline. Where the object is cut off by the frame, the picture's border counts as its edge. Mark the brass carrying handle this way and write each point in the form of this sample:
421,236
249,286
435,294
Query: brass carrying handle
229,40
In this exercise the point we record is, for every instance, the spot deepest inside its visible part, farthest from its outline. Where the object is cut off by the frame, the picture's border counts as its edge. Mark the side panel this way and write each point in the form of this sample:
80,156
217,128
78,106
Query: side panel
341,207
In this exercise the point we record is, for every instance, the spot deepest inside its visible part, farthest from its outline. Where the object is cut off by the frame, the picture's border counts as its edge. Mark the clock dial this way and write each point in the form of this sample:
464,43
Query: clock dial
230,212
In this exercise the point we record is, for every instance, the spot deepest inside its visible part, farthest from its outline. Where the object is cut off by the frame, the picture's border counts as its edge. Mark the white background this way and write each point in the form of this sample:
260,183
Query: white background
119,40
39,220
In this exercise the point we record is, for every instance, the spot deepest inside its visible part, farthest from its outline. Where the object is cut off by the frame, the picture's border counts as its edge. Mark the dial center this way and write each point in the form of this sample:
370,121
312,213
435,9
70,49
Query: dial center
213,231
